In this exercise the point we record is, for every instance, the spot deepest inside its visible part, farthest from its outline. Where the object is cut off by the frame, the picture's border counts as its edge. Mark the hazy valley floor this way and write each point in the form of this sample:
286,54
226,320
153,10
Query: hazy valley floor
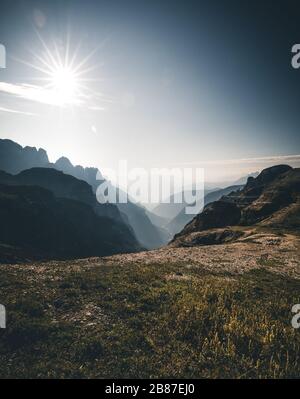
213,311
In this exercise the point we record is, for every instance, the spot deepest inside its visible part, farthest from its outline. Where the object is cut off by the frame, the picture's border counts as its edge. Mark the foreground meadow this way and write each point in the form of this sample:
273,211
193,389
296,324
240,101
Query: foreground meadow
98,318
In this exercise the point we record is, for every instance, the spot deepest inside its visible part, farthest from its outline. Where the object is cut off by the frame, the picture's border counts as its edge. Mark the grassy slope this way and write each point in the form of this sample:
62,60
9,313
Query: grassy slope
147,321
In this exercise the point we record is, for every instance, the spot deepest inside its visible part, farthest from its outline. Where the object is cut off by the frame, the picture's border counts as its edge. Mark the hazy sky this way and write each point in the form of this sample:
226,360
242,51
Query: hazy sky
166,83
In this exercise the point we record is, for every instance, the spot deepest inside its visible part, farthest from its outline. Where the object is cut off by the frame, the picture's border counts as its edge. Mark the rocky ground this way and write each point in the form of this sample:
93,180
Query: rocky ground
276,253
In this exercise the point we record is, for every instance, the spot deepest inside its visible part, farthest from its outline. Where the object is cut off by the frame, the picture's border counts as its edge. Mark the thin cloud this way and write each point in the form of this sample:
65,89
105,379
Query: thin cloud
14,111
35,93
48,96
275,158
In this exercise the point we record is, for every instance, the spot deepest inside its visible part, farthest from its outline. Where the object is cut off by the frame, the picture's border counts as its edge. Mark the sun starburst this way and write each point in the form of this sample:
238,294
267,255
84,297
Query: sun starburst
64,74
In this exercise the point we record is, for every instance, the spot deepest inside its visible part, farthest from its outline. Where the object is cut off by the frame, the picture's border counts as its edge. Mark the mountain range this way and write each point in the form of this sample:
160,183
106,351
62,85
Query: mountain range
14,159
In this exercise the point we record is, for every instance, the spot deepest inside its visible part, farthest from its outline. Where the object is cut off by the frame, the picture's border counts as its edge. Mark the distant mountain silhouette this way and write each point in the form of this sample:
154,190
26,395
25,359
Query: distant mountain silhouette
158,221
243,180
170,208
14,158
216,195
37,225
271,199
87,174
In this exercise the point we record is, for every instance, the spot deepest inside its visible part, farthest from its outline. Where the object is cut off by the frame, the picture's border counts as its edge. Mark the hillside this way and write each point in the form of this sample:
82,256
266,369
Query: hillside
64,186
271,199
37,225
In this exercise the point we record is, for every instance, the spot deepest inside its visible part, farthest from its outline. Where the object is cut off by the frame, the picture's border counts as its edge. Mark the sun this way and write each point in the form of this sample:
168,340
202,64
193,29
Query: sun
65,84
64,74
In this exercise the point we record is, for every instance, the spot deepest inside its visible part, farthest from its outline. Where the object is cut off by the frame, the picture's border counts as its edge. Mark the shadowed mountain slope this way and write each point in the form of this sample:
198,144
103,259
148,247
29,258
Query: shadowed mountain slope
37,225
62,185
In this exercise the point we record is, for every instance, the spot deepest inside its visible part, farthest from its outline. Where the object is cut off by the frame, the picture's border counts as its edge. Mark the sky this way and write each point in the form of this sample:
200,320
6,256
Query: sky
157,83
